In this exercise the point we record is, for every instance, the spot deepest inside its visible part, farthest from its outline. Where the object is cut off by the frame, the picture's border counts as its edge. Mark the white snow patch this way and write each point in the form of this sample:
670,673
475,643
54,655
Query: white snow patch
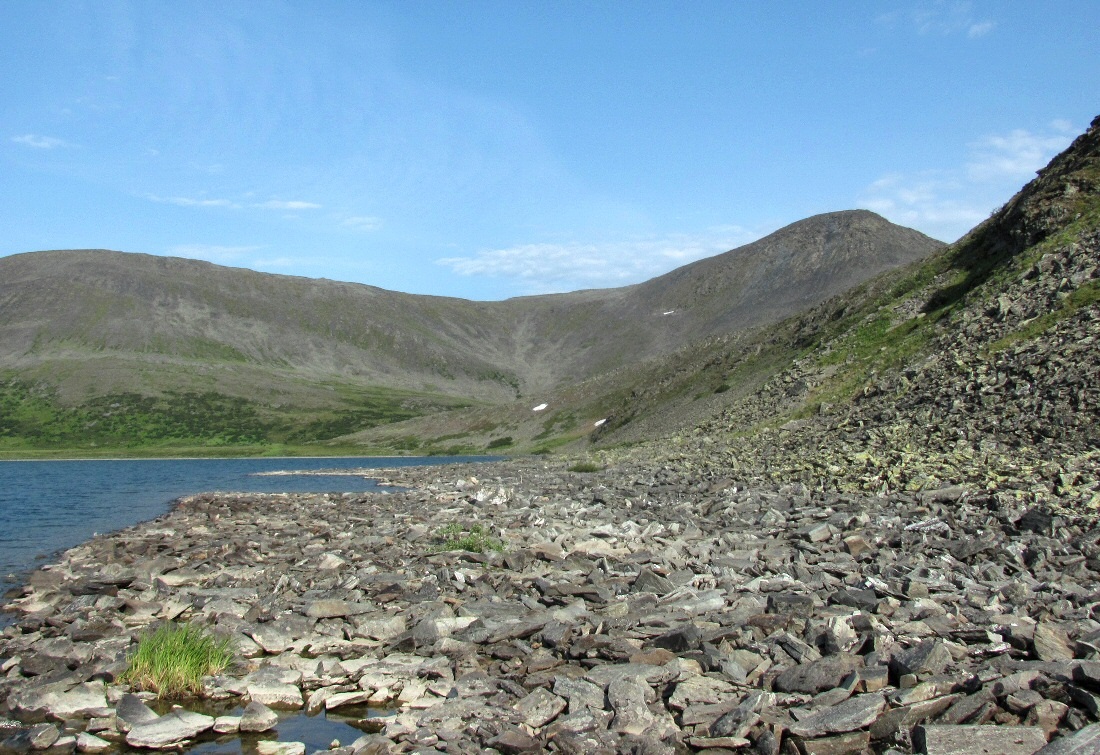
670,312
539,408
599,422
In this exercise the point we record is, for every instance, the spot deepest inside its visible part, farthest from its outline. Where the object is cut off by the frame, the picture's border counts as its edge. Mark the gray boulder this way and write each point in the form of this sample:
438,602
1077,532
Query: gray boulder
169,730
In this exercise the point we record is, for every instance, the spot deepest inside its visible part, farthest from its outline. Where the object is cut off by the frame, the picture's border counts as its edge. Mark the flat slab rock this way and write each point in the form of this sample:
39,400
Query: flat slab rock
169,730
850,715
1084,742
61,701
979,740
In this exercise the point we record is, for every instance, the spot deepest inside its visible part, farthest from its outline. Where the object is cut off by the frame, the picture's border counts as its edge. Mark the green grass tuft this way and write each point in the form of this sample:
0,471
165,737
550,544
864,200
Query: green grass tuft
173,660
476,539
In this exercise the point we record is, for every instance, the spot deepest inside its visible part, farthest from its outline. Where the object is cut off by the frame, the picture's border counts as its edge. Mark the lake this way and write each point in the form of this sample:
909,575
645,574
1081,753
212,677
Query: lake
49,506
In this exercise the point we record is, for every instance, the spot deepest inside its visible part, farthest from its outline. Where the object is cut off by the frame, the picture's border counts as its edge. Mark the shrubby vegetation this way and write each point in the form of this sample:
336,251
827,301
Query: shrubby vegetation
476,539
32,416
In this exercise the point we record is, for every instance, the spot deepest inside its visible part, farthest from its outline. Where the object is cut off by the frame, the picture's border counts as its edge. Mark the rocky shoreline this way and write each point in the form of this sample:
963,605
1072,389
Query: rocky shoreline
641,609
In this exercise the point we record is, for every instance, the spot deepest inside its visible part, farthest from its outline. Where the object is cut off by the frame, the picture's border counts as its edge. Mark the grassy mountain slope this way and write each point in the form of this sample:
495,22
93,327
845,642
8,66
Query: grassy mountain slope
154,338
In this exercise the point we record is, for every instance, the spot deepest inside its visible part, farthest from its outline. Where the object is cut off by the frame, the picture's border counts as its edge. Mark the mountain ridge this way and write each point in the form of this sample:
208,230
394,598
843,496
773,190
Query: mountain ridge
782,395
93,322
841,386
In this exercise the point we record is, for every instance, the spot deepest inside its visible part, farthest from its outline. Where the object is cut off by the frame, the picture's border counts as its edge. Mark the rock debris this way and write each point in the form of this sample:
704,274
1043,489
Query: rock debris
642,609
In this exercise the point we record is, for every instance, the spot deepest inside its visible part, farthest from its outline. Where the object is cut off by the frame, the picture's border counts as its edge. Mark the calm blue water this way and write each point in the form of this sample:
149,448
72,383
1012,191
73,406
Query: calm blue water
48,506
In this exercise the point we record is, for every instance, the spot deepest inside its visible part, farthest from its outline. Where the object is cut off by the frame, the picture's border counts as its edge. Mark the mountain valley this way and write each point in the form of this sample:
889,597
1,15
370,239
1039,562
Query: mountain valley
111,348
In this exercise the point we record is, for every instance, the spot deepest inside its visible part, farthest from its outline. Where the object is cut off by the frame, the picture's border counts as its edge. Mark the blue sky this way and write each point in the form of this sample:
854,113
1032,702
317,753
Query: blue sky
494,149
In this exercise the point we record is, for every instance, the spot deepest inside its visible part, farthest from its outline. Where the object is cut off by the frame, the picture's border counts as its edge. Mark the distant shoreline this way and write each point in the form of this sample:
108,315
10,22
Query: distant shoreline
212,458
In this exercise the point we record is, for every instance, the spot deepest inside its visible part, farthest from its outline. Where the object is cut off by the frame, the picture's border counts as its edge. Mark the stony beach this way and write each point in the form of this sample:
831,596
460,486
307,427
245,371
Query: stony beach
523,607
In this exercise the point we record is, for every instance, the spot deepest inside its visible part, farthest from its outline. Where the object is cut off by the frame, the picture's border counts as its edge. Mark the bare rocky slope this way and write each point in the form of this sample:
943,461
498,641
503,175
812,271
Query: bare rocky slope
94,322
977,366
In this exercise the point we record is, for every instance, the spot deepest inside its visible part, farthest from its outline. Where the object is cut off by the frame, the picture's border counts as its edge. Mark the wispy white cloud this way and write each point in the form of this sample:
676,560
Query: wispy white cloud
221,255
980,29
362,223
948,202
251,257
192,201
38,141
266,263
933,201
552,268
276,204
946,17
273,204
1017,154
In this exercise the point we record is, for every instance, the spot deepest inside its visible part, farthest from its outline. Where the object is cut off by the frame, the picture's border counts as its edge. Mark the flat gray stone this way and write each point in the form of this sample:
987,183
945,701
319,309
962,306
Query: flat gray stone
514,741
719,744
540,708
1084,742
90,743
227,724
272,638
131,711
43,736
817,676
1051,643
839,744
607,673
979,740
701,689
332,609
169,730
1087,673
579,723
817,533
907,716
928,658
276,694
37,737
648,581
628,699
581,694
258,717
734,723
791,603
680,640
380,629
340,699
60,701
265,747
850,715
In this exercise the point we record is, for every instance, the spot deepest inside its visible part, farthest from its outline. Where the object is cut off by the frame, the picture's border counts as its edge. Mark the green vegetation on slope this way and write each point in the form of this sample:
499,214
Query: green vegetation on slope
33,418
971,272
31,415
